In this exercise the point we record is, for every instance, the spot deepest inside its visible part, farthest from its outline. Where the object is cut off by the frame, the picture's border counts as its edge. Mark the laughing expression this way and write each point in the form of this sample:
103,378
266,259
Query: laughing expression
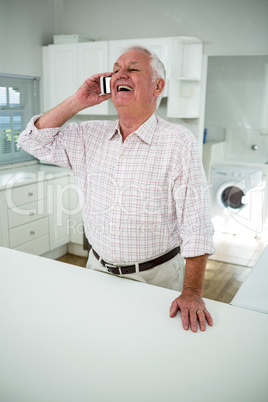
131,82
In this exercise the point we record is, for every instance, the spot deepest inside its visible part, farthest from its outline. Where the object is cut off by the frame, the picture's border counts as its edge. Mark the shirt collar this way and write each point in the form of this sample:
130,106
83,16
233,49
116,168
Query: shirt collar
114,129
144,132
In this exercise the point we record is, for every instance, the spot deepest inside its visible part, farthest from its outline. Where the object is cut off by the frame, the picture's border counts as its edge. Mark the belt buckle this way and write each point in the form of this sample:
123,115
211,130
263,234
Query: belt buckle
107,266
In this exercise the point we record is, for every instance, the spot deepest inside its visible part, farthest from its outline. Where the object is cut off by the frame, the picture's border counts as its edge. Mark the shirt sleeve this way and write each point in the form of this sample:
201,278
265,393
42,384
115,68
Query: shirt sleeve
48,144
191,194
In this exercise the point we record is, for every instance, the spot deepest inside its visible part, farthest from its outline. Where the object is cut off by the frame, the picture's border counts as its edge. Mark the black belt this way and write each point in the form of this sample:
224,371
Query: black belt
131,269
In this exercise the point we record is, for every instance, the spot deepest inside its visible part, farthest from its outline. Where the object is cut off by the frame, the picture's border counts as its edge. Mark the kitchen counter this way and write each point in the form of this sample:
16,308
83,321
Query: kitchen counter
241,162
30,174
71,334
253,294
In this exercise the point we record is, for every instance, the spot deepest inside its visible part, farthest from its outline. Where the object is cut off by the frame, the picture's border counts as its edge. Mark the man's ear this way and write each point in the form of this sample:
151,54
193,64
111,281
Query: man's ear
159,86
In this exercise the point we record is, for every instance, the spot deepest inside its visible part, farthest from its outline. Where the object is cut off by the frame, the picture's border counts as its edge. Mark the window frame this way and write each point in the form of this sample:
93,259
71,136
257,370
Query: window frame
29,89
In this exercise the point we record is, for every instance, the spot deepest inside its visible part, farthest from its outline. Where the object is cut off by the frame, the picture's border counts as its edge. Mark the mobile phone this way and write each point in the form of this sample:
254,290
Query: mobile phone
105,85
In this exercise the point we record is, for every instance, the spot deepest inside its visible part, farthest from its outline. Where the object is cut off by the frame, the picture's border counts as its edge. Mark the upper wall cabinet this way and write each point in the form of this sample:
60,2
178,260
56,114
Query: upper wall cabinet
93,59
59,73
185,75
66,67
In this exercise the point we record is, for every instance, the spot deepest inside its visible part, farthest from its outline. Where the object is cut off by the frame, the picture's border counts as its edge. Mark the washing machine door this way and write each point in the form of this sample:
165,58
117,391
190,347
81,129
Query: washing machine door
231,195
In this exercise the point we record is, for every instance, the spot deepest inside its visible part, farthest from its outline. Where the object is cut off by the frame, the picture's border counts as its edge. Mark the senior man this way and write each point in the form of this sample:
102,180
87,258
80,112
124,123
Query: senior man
142,187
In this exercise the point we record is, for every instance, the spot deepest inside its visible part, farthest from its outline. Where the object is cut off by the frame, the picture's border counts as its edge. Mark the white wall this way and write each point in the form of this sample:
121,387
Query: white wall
226,26
25,25
235,94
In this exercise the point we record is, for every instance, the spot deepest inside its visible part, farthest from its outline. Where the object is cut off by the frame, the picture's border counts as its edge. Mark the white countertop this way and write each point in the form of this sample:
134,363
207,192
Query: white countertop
70,334
30,174
253,293
216,153
241,162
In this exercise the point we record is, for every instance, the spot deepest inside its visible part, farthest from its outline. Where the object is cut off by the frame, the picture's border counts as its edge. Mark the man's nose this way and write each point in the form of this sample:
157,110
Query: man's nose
122,74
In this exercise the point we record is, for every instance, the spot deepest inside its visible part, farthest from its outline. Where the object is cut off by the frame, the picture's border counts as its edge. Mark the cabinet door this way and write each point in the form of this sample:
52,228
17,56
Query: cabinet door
184,99
159,46
93,59
26,233
37,247
58,210
26,213
62,72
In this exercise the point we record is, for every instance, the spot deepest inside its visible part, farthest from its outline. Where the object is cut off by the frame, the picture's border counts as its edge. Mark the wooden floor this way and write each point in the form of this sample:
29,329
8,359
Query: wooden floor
222,280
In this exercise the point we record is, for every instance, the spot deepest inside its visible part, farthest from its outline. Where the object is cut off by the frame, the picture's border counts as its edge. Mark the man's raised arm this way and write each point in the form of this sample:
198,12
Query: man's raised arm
86,96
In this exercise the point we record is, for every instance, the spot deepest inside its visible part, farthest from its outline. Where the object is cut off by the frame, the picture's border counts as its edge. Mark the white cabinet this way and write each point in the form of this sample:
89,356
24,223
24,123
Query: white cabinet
35,217
25,194
92,59
185,76
159,46
58,211
59,73
66,67
22,235
28,224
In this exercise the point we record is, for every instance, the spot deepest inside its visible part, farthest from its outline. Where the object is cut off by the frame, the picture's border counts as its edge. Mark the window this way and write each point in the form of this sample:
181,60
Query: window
19,101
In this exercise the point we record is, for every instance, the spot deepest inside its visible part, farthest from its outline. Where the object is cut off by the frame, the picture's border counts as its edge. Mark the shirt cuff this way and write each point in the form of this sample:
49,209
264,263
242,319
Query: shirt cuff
198,245
41,137
32,129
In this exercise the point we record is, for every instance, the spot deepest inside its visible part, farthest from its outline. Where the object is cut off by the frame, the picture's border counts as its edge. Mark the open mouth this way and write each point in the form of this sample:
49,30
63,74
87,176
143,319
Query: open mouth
121,88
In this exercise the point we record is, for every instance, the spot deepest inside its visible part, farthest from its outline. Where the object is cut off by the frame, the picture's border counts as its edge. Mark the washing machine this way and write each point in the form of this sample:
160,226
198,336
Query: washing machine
237,196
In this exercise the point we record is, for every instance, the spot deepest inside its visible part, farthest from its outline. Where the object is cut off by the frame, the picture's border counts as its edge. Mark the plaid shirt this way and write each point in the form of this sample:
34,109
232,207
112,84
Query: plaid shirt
139,198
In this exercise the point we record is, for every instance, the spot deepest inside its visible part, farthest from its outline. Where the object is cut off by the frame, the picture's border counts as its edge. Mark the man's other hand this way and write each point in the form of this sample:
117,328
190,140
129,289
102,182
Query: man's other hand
193,310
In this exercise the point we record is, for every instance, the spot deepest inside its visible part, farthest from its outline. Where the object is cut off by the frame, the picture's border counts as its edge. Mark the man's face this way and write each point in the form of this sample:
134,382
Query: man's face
131,83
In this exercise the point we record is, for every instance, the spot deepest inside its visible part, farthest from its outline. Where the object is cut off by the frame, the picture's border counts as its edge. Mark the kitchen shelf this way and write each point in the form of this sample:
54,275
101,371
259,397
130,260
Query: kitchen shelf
184,99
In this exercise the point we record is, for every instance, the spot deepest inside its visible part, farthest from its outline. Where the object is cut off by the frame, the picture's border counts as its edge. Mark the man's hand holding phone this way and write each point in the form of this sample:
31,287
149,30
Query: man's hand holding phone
94,90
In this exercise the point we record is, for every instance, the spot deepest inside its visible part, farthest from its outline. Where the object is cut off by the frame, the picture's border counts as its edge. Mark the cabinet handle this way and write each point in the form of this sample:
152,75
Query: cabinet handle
32,232
31,213
30,194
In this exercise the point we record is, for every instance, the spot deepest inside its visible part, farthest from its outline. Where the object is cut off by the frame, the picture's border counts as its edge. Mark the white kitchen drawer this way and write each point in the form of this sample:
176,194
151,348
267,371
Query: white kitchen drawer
27,213
28,232
38,247
24,194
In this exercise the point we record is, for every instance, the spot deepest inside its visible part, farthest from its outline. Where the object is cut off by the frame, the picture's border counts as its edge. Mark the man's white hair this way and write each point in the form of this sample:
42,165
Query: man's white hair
158,68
